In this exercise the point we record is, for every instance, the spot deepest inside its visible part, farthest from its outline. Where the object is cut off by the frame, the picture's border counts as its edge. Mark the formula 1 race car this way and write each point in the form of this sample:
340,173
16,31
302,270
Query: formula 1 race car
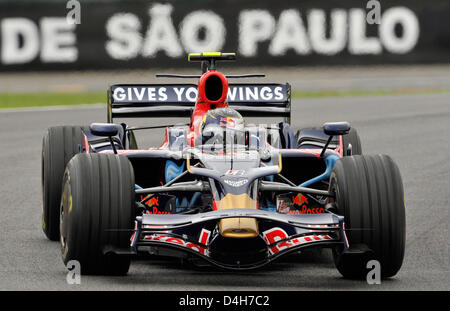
218,190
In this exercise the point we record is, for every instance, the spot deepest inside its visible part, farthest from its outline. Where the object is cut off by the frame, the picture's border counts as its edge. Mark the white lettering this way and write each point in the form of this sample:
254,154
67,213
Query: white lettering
254,26
58,40
290,34
139,92
278,93
191,94
358,42
410,25
14,50
266,93
162,94
232,93
161,34
214,31
119,94
126,41
179,92
251,94
317,31
151,93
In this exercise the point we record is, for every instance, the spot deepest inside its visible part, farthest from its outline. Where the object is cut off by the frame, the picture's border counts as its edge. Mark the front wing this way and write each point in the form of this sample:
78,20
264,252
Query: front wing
196,234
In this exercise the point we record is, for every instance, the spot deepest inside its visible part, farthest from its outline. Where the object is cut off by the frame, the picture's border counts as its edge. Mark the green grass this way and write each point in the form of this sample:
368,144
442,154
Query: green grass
19,100
366,93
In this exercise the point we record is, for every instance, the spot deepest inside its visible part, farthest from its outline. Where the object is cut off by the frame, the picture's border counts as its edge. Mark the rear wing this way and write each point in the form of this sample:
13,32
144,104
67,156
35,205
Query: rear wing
178,100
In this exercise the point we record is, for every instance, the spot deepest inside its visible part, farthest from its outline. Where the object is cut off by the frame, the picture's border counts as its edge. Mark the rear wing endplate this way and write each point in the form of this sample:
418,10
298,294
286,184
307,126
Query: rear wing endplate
178,100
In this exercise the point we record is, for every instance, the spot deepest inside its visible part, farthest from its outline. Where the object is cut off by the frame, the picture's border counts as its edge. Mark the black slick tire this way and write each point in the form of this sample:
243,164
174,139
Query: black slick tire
369,194
98,213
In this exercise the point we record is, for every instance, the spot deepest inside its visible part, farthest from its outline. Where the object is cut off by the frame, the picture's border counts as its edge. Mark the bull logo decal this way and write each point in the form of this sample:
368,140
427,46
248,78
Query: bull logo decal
153,202
300,199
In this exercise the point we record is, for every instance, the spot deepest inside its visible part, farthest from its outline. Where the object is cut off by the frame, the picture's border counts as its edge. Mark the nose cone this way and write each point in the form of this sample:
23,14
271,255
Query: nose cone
238,227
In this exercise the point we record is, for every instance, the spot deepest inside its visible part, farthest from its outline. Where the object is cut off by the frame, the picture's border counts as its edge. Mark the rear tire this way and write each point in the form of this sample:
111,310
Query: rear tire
352,138
97,213
59,145
369,194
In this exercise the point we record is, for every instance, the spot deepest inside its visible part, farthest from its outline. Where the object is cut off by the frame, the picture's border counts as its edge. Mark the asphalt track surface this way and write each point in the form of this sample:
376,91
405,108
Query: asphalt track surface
337,78
413,129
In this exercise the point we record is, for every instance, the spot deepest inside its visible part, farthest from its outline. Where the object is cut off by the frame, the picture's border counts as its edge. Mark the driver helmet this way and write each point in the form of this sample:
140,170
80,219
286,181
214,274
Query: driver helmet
222,124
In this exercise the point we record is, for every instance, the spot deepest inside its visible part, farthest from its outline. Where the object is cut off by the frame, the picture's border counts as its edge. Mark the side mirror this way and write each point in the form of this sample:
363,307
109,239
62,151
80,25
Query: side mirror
333,129
336,128
103,129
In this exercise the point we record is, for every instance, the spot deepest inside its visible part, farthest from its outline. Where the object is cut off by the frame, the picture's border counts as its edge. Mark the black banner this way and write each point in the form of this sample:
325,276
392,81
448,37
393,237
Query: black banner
187,93
96,34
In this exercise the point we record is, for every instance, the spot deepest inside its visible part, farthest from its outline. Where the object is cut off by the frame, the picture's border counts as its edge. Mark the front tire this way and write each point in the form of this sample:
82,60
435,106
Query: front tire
369,194
97,213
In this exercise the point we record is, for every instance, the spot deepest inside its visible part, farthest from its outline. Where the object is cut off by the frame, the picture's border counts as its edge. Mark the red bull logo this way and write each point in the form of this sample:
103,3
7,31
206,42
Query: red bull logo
153,202
227,122
300,200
